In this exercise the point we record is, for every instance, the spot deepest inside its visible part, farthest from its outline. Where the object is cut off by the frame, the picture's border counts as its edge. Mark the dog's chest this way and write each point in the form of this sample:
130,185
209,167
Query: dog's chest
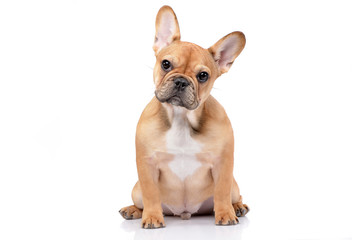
184,148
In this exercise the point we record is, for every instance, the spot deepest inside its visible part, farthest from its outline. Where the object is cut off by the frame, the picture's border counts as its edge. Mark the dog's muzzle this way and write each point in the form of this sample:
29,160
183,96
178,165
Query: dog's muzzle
178,91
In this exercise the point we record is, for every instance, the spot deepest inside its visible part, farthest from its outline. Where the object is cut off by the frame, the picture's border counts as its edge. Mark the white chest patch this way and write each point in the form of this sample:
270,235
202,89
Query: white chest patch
180,143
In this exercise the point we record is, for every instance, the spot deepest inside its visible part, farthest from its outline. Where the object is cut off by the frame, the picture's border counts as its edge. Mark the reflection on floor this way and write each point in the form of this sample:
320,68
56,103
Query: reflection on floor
198,227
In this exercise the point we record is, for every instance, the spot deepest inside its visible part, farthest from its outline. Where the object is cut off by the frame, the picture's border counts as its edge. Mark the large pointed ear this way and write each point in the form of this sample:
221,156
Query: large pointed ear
167,28
227,49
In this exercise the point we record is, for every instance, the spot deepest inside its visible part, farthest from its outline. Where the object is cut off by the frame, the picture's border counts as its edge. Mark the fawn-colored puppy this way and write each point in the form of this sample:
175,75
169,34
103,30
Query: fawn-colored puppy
184,139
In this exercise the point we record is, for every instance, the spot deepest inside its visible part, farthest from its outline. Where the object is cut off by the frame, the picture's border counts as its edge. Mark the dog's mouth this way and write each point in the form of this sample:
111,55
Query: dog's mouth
176,101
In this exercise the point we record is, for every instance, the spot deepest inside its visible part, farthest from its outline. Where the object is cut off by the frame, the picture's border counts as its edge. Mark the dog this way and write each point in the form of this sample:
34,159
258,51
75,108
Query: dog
184,139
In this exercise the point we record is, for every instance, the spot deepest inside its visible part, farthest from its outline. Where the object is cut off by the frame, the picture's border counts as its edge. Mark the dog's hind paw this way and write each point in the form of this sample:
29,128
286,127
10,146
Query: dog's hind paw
131,212
240,209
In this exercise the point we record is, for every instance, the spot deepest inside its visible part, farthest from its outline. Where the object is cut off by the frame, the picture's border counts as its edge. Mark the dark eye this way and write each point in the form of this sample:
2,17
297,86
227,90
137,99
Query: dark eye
166,65
202,77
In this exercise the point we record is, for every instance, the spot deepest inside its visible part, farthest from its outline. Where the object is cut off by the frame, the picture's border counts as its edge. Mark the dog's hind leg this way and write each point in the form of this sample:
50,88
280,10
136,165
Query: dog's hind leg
239,208
133,211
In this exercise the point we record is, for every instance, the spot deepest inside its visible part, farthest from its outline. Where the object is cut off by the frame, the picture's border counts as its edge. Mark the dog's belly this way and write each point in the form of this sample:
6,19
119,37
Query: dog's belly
186,185
205,207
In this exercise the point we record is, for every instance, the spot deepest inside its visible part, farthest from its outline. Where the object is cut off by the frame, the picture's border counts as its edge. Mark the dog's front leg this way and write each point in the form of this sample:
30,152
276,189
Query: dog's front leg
152,216
223,178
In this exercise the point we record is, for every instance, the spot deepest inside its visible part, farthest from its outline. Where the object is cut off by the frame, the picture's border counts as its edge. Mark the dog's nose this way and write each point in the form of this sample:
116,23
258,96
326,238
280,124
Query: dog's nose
181,83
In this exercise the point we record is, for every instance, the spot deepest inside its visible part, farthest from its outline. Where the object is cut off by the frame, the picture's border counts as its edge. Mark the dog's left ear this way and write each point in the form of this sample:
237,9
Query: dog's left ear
227,49
167,28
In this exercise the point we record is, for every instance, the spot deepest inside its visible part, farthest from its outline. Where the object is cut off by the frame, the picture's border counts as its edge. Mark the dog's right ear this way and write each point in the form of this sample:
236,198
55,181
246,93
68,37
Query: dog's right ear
167,28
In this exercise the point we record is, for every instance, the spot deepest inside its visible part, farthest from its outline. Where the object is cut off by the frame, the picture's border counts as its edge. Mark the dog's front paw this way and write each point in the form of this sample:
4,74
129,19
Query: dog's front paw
152,220
241,209
225,217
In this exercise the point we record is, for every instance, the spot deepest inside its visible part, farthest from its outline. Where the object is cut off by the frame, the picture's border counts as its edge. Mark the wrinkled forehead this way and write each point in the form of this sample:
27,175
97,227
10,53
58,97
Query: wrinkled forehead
187,56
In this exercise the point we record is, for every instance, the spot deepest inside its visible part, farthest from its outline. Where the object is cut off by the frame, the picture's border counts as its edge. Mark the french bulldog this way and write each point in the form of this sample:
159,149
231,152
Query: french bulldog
184,139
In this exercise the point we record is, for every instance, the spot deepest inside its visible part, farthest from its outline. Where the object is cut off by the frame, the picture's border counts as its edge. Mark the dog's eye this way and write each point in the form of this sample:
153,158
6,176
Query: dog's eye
202,77
166,65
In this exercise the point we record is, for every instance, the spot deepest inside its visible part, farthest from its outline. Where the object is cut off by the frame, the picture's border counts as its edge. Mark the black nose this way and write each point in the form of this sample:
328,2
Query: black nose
181,83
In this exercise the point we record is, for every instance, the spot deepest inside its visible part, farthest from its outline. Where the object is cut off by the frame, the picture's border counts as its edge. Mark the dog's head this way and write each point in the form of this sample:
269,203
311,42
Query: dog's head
184,72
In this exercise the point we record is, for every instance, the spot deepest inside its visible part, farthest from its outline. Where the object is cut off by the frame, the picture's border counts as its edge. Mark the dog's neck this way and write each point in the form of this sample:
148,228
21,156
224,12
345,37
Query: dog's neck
177,114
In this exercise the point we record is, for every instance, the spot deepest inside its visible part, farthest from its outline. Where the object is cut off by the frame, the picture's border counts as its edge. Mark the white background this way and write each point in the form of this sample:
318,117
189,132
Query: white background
76,75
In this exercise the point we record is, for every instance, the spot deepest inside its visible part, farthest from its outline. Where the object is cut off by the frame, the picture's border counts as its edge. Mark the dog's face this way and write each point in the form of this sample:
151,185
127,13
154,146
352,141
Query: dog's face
184,72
